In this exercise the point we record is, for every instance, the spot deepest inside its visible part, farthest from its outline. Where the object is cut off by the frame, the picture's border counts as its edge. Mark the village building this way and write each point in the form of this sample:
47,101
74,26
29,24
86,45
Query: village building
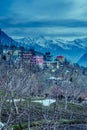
61,59
47,56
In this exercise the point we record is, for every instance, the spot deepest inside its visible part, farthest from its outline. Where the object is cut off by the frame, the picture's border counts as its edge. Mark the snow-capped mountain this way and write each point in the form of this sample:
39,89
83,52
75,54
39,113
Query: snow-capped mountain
72,50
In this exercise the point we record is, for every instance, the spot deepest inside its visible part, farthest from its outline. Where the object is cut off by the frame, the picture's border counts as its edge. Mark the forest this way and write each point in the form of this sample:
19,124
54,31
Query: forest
24,87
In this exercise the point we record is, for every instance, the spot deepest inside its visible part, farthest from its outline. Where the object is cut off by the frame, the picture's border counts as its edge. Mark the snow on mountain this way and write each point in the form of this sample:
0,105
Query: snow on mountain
81,43
71,49
46,42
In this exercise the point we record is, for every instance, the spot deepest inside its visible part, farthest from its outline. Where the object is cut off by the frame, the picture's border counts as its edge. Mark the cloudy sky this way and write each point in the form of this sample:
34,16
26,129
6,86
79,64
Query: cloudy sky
65,19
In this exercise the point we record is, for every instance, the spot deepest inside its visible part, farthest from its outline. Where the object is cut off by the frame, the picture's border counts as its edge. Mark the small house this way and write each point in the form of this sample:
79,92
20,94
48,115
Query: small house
60,59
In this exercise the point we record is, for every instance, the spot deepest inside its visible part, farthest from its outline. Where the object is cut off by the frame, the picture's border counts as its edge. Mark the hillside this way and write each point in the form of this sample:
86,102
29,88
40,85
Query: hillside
83,60
6,40
72,50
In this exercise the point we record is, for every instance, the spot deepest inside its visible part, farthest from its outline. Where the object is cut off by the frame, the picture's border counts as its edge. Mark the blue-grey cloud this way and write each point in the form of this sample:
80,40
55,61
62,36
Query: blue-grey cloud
51,23
42,9
38,14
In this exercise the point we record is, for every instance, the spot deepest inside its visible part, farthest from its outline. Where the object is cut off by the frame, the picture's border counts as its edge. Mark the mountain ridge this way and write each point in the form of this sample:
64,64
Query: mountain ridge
6,40
72,50
83,60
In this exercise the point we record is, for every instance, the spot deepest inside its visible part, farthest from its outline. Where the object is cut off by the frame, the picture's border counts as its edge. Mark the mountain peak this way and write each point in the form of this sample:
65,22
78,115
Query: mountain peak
6,40
72,50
